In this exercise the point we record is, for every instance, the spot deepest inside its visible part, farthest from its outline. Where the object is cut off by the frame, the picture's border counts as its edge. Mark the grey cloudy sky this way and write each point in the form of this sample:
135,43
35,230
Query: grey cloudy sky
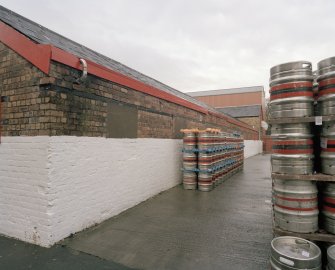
192,44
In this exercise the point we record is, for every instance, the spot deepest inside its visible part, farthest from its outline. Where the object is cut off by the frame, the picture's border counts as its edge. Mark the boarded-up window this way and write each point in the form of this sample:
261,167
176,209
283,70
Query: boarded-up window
179,123
121,121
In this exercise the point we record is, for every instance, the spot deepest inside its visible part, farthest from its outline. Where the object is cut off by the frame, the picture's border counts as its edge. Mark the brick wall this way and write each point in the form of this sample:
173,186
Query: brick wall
267,144
26,111
251,121
38,104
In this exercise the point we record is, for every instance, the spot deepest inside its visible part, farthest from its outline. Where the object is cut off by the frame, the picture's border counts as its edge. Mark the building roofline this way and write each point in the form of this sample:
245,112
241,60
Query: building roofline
238,106
229,91
41,55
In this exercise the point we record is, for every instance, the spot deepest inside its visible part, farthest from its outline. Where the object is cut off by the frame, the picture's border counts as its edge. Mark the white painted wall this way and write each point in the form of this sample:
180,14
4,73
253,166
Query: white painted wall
252,148
97,178
53,186
24,189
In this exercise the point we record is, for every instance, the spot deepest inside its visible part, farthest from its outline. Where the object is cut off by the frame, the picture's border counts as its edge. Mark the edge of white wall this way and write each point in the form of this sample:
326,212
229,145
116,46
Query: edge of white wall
252,148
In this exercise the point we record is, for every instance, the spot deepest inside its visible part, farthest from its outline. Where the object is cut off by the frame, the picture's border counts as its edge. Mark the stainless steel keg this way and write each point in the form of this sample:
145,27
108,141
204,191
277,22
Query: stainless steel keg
294,253
190,140
295,205
328,207
328,148
331,258
292,148
190,180
189,160
206,140
291,90
205,181
326,80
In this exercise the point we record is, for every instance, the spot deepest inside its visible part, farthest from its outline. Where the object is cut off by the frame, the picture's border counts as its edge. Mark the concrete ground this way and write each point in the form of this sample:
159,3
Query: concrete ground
228,228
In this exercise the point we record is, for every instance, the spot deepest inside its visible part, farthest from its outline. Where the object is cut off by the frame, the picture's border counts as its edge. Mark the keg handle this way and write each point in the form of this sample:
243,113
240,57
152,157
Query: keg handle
306,65
302,242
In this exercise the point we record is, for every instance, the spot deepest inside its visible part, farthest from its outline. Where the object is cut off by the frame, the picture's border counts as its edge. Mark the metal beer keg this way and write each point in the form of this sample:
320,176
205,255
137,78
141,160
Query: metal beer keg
292,253
296,205
326,80
291,90
328,148
292,149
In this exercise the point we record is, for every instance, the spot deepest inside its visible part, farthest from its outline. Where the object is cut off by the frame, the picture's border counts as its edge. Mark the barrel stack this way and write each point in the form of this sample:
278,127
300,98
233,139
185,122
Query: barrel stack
210,157
326,99
303,159
190,159
326,105
326,81
295,203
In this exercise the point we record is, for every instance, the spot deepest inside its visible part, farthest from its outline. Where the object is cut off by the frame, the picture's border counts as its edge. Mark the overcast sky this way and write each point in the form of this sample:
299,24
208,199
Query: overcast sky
194,45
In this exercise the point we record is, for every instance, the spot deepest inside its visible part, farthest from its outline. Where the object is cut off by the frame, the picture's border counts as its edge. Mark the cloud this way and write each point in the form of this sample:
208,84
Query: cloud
194,45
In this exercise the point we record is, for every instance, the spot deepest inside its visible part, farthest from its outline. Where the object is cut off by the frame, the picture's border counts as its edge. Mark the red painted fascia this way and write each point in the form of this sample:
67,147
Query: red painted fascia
41,55
100,71
37,54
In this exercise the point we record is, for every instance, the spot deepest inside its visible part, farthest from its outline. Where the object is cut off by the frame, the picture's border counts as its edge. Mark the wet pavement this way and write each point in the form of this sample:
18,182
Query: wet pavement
227,228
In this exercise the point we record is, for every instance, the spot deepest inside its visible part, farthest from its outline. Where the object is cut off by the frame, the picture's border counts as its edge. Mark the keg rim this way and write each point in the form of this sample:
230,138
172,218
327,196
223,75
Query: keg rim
294,213
297,136
316,256
302,99
326,97
293,78
327,155
331,249
325,63
325,76
286,66
285,156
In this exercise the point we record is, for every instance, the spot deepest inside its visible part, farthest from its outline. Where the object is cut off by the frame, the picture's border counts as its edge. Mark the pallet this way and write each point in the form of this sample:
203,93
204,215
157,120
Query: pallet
310,119
307,177
321,235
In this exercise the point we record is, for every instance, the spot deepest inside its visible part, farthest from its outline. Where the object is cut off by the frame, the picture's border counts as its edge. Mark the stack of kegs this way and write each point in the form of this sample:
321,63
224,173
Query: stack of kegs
294,253
220,156
215,156
326,80
295,202
326,101
292,96
190,159
207,141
